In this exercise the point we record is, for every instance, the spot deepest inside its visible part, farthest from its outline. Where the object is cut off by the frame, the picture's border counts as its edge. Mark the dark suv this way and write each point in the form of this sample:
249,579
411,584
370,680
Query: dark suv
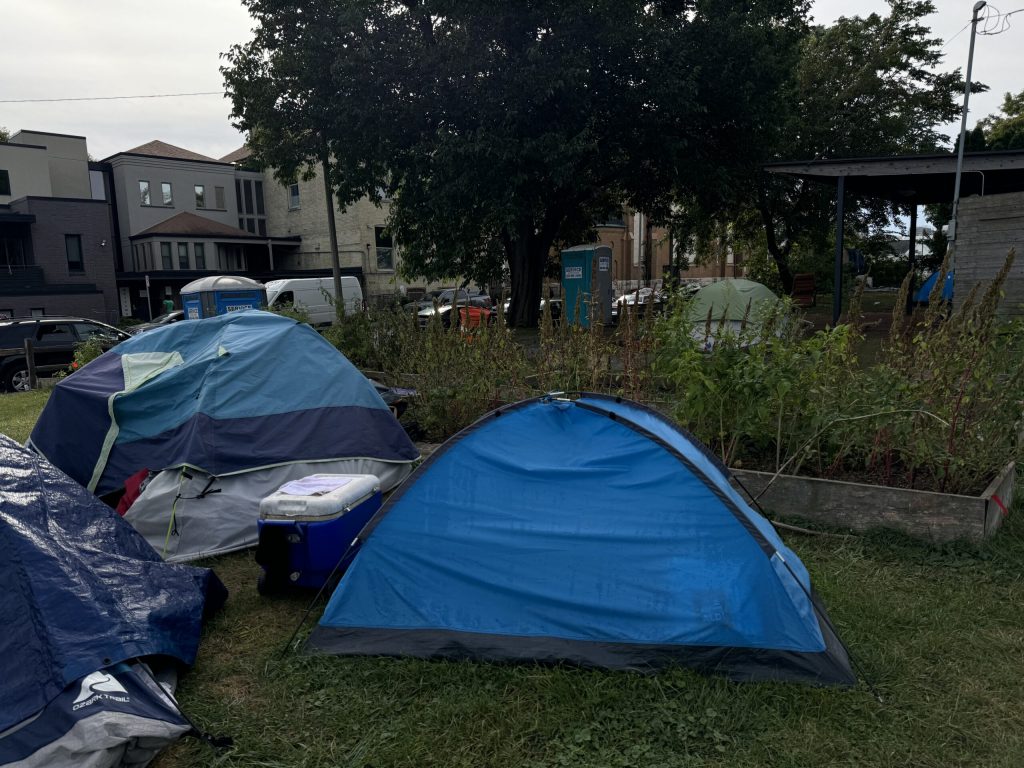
53,339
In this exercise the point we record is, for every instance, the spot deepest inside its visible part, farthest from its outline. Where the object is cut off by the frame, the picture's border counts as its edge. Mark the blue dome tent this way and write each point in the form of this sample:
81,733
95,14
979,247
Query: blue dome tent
84,597
922,294
222,411
591,531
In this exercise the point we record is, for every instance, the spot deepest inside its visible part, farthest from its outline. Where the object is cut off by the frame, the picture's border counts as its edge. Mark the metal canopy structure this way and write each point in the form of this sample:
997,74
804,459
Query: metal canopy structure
910,180
914,179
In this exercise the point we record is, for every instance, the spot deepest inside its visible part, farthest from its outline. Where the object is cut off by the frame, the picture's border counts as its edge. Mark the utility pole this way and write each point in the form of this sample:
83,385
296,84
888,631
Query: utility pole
963,134
339,301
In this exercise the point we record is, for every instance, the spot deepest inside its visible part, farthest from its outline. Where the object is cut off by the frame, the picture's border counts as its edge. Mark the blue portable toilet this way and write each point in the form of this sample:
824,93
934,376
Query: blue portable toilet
587,281
220,294
593,532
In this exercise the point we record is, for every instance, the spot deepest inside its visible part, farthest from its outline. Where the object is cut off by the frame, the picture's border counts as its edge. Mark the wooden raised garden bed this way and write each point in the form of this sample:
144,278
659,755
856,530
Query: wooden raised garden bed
935,517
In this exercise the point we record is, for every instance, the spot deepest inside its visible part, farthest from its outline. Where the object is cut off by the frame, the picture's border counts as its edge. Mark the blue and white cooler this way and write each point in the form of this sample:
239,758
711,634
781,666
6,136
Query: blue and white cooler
307,527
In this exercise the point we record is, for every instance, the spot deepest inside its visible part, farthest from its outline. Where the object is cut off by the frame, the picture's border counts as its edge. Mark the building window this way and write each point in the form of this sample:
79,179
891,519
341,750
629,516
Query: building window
385,250
166,262
200,254
182,255
200,196
5,182
250,226
97,186
259,199
73,247
247,189
135,258
293,197
261,227
218,198
165,193
144,193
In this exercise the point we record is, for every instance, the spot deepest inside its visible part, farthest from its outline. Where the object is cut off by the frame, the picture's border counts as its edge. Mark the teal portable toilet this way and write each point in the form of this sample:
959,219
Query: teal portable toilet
220,294
587,281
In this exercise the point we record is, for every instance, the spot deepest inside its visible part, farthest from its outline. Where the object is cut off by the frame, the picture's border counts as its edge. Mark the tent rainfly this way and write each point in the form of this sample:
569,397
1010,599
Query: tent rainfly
590,531
222,411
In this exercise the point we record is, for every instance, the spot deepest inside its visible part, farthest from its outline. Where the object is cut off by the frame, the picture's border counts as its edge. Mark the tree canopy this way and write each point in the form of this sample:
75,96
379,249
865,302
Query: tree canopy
503,129
862,87
1005,130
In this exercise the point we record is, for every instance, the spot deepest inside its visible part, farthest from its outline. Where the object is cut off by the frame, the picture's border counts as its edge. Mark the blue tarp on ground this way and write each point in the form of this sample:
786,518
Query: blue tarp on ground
81,589
225,394
922,294
593,532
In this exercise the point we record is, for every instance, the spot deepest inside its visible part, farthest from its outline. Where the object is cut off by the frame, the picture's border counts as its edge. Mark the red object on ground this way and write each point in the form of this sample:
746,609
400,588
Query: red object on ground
473,317
132,490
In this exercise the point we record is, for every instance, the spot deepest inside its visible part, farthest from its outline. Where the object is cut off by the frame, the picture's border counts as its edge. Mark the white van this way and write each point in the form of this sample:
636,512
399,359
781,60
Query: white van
315,296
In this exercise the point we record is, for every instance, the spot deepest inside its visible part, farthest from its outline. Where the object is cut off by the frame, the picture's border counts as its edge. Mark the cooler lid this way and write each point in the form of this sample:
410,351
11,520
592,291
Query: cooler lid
318,496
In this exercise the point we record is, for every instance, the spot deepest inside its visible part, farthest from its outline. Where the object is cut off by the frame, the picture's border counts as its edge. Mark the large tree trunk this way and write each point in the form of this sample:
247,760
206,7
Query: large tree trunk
779,253
526,258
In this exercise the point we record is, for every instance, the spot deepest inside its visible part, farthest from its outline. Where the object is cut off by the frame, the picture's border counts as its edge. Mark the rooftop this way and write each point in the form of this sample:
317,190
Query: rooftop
190,225
162,149
240,154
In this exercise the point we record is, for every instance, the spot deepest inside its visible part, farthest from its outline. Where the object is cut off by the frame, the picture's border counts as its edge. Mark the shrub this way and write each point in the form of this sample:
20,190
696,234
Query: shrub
941,410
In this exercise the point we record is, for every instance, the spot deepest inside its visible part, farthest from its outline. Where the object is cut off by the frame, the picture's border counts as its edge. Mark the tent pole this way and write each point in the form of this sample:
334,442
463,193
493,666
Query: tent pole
837,283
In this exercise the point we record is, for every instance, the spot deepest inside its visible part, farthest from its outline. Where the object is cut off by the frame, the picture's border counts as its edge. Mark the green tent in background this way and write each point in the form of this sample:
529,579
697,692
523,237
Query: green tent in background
729,298
729,301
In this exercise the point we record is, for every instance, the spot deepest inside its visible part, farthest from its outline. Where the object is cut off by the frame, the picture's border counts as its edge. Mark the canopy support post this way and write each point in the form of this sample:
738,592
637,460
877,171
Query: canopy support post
837,289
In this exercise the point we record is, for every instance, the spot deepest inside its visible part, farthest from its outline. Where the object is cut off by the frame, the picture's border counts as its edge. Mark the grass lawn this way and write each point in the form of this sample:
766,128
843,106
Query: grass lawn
939,631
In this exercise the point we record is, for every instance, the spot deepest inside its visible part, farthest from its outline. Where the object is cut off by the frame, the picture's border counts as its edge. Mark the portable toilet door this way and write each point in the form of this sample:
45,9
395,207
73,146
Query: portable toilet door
220,294
587,284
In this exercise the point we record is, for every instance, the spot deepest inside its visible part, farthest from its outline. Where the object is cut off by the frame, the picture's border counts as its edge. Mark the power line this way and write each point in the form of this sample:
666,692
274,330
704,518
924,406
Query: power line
112,98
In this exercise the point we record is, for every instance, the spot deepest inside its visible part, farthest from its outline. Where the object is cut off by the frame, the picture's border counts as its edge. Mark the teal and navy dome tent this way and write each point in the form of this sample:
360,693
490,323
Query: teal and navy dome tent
590,531
221,411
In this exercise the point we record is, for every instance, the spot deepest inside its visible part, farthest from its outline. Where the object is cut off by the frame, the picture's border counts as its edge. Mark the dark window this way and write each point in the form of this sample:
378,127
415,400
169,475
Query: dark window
241,223
259,198
54,334
200,196
165,193
73,246
200,253
135,258
15,335
293,196
288,297
182,255
238,197
166,262
218,198
5,182
144,192
250,225
247,187
88,330
385,249
261,227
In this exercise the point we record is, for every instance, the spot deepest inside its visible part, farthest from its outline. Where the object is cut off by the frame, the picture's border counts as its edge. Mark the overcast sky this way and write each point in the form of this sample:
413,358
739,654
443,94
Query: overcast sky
75,48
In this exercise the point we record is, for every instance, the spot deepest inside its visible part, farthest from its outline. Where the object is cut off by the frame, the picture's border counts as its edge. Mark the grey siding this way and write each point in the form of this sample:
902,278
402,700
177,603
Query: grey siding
988,227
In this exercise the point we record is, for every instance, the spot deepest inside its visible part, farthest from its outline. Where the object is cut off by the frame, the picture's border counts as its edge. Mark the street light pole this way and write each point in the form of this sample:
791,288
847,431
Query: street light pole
963,132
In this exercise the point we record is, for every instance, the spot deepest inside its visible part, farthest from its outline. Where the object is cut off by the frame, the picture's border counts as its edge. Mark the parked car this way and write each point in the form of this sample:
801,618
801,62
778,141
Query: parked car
644,298
158,322
54,340
442,306
555,304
